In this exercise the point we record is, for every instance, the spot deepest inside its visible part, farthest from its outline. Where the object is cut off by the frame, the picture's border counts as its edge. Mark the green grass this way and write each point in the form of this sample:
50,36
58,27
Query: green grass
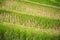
57,1
47,2
32,9
17,32
2,2
28,20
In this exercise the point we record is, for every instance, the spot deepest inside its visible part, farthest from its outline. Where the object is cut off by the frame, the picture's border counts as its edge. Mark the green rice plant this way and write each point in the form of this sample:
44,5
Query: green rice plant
2,2
46,2
28,20
57,1
10,31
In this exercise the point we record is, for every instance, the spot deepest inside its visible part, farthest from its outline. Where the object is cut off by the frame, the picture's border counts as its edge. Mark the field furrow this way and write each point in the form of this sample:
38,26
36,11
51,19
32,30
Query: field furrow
29,20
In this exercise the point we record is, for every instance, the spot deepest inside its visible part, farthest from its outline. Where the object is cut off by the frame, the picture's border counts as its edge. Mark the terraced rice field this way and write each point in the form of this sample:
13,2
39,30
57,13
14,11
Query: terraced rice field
55,3
29,20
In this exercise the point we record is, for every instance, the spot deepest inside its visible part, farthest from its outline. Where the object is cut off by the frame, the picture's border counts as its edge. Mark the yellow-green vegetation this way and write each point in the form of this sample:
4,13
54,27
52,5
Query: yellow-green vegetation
47,2
10,31
29,20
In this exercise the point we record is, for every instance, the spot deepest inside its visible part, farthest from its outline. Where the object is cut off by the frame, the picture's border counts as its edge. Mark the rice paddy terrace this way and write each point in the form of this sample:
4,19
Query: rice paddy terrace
29,20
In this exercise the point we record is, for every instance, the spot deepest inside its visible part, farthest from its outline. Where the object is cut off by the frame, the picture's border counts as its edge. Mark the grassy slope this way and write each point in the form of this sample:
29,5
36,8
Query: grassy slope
28,20
57,1
47,2
32,9
17,32
15,14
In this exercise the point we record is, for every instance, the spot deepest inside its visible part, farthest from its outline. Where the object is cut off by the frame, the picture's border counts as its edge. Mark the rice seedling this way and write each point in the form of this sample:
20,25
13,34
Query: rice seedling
10,31
29,20
47,2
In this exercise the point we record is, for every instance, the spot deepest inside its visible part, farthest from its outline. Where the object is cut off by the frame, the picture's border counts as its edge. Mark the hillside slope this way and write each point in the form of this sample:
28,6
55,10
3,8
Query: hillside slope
29,20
